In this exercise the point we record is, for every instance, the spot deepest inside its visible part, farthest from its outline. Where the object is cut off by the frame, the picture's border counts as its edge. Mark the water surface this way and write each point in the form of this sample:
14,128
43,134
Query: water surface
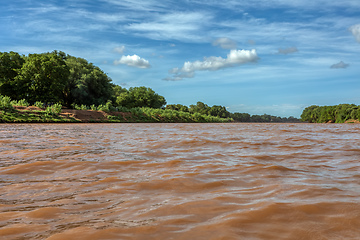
179,181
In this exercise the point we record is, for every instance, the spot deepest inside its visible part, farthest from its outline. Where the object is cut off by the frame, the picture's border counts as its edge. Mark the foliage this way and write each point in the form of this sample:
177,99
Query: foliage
200,107
219,111
87,84
177,107
108,107
10,64
80,107
93,107
5,103
21,102
117,91
39,104
54,109
169,115
42,78
338,113
241,117
140,97
215,110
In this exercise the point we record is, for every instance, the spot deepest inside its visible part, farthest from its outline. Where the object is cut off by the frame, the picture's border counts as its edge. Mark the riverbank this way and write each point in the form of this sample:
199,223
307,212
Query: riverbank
32,114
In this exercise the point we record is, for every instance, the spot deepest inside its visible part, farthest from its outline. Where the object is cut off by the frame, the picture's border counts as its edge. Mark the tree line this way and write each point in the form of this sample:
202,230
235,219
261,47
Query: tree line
221,111
59,78
335,114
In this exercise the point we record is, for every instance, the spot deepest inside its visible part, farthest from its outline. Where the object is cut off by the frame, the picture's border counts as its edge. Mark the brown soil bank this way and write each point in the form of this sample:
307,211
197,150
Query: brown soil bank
81,115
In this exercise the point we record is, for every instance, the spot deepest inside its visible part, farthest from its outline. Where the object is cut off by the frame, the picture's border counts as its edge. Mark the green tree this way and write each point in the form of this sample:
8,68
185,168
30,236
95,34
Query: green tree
87,84
177,107
218,111
10,64
200,107
343,112
42,78
117,91
140,97
310,114
240,117
327,114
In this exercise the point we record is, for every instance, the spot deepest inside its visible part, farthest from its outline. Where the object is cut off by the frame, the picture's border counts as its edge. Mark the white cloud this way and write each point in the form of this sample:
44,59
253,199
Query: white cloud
119,49
234,58
339,65
225,43
355,30
288,50
133,61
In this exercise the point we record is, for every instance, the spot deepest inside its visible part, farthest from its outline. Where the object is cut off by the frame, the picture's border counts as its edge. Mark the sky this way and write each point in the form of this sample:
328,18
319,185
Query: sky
272,57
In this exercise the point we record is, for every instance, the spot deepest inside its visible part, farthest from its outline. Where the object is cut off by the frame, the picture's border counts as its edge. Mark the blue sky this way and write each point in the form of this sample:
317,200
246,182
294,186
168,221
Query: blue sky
267,56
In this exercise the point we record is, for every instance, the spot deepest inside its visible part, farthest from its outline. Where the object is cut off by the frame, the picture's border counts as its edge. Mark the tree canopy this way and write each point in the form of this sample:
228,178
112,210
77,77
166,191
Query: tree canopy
87,84
42,78
140,97
337,114
10,64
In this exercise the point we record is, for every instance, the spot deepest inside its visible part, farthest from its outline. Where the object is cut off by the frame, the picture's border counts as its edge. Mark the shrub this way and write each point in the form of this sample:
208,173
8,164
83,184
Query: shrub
123,109
39,104
80,107
22,103
5,102
54,109
93,107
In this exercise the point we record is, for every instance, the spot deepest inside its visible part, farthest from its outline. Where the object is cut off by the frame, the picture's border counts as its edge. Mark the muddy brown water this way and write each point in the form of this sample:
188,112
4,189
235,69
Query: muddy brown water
179,181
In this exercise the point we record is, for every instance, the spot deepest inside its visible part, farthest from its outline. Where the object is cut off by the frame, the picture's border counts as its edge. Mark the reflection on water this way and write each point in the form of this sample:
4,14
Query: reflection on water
179,181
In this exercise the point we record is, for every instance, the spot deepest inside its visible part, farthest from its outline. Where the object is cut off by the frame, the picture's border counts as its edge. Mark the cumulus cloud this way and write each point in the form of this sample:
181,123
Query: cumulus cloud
355,30
234,58
133,61
288,50
119,49
341,64
225,43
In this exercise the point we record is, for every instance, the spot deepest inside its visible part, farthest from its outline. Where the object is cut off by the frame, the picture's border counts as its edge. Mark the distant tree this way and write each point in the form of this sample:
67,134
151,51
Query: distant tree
338,113
310,114
240,117
117,91
200,107
10,64
218,111
177,107
140,97
343,112
327,114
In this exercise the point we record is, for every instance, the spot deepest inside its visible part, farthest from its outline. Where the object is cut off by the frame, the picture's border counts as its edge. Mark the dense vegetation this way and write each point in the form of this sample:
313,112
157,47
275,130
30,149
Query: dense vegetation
56,78
336,114
220,111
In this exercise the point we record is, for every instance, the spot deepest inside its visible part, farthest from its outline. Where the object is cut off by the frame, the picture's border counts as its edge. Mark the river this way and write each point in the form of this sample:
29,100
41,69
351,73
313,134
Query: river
179,181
